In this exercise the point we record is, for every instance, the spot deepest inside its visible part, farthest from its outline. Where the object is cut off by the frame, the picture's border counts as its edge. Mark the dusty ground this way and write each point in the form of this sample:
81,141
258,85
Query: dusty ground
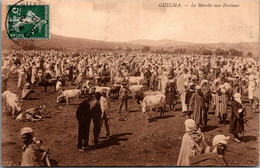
134,142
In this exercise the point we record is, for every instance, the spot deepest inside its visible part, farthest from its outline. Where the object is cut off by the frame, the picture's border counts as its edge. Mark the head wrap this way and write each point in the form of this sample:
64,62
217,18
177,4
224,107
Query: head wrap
220,139
189,125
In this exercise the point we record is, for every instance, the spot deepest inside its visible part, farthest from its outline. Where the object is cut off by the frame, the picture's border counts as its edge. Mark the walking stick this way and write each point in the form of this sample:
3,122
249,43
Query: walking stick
46,156
243,136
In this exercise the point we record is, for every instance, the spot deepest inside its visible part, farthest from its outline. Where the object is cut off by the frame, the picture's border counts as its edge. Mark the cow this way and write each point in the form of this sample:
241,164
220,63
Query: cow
139,96
11,102
47,82
135,88
135,80
154,101
114,91
119,80
32,114
104,80
100,88
67,94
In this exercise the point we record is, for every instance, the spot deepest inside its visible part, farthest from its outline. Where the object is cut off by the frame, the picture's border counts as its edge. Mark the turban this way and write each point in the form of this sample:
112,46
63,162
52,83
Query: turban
220,139
190,124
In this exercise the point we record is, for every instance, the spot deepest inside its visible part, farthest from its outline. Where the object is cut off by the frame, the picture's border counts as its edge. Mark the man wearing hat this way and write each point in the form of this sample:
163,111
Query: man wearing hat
83,115
236,121
123,93
105,107
214,158
32,150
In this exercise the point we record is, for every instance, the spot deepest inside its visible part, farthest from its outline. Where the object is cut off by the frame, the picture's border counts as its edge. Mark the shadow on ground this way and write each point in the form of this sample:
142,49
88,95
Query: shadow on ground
249,138
114,140
159,117
209,128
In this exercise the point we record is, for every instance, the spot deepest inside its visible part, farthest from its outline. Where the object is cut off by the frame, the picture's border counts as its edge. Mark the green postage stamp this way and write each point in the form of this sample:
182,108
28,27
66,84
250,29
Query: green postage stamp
28,21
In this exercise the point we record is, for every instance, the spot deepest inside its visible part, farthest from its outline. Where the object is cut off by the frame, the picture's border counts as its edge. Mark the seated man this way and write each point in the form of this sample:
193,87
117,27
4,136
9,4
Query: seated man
214,158
33,152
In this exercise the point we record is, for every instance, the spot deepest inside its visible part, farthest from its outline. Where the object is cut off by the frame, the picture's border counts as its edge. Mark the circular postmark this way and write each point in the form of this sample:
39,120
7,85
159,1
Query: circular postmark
27,23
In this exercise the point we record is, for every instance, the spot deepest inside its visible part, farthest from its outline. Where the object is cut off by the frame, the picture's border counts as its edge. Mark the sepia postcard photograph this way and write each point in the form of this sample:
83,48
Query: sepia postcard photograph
129,83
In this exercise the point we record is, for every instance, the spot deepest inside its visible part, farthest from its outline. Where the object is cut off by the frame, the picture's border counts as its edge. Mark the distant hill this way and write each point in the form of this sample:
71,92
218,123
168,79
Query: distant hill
245,47
62,42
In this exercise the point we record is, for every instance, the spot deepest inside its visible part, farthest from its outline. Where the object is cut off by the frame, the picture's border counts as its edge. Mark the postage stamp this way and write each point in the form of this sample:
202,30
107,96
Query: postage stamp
28,22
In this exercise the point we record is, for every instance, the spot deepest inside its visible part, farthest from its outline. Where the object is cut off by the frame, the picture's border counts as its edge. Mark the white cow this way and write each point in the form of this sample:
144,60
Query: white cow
118,80
154,101
67,94
11,102
32,114
100,88
135,88
135,80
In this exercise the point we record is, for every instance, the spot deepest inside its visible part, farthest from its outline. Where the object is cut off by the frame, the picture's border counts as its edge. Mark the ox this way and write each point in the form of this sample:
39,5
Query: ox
11,102
135,88
47,82
154,101
67,94
32,114
119,80
135,80
99,89
114,91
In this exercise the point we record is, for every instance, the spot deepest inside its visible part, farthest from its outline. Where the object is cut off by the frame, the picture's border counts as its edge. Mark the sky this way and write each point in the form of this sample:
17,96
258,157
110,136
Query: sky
126,20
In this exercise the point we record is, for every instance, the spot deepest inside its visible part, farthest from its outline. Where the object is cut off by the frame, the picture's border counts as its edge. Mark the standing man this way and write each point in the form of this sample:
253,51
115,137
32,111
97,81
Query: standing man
236,121
198,106
221,105
123,93
105,107
188,96
32,150
83,115
251,89
96,113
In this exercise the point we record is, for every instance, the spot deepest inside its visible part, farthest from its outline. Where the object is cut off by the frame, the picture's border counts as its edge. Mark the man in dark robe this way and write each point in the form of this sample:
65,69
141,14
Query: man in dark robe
188,96
236,121
197,105
96,114
84,118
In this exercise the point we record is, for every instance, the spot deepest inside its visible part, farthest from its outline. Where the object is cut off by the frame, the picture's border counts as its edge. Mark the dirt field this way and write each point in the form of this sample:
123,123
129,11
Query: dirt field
134,142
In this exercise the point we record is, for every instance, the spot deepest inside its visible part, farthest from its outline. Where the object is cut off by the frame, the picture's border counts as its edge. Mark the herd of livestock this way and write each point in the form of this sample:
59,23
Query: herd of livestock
162,77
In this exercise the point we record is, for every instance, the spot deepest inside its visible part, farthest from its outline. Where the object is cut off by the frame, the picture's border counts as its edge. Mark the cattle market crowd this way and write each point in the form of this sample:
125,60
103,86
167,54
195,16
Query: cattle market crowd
157,82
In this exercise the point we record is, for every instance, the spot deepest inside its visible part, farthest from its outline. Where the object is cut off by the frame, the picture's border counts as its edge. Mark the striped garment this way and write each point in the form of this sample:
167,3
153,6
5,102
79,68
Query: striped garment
221,104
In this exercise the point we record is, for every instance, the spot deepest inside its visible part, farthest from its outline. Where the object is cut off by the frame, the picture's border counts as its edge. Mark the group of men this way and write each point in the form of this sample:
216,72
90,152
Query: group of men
97,109
201,82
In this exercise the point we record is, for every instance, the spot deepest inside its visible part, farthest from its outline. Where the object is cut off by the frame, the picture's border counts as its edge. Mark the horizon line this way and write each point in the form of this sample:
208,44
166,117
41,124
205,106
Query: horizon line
155,40
131,41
